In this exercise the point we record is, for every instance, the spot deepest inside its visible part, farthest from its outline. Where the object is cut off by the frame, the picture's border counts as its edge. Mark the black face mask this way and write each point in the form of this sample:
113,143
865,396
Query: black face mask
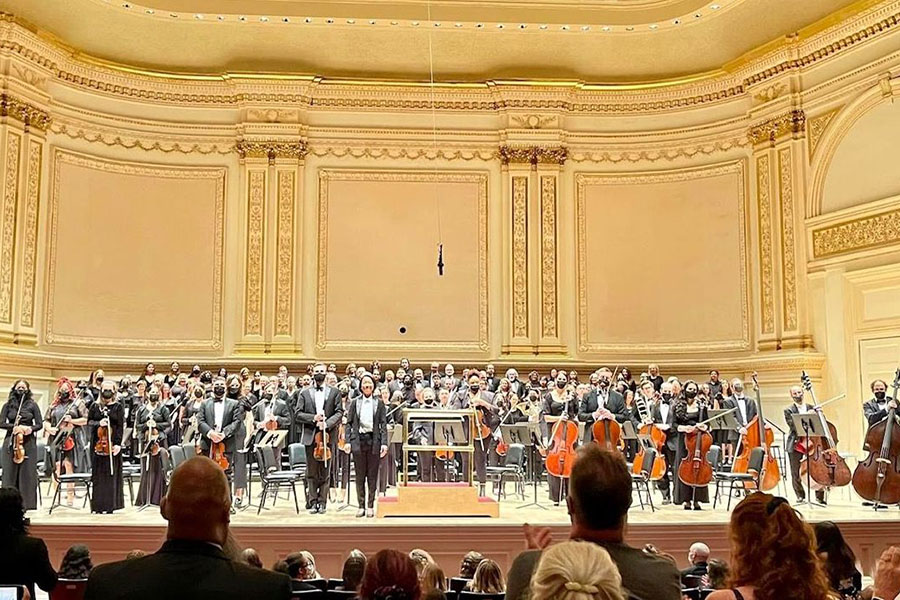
99,379
18,393
474,387
319,378
154,397
65,395
666,396
219,391
880,396
177,391
198,395
233,392
561,384
690,393
107,394
604,383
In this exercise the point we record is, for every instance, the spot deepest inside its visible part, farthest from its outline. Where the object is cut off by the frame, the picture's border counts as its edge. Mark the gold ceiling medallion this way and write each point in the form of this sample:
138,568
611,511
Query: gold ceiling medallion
791,123
533,155
271,149
30,115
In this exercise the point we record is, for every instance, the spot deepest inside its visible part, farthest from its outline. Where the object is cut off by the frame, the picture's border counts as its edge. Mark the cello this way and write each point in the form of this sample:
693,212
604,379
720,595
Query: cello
823,462
877,478
758,436
657,439
561,455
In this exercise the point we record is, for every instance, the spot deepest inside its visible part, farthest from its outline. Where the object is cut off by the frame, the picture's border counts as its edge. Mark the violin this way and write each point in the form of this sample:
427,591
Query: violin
18,447
217,453
758,436
561,455
825,465
322,451
877,478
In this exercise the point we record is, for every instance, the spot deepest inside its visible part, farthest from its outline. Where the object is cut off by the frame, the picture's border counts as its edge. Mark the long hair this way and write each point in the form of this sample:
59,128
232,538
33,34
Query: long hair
12,512
576,570
63,383
774,550
76,564
27,395
839,560
433,578
488,578
390,575
352,572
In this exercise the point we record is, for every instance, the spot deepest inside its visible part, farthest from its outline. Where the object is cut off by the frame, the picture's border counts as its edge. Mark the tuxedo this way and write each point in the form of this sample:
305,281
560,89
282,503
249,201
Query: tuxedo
739,417
460,401
793,434
366,447
615,404
670,448
232,418
875,411
517,388
280,411
316,474
492,383
794,457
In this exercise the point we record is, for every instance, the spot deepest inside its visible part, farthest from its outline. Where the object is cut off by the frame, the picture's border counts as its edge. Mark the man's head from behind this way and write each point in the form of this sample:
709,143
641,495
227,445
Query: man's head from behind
600,493
699,553
198,504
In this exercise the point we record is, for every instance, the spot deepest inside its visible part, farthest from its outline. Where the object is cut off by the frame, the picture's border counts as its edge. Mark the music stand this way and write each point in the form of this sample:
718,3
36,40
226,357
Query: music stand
811,426
395,436
531,430
449,433
723,420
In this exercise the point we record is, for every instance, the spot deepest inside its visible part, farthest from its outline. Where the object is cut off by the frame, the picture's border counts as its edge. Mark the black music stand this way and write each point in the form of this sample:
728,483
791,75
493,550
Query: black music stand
811,426
526,433
450,433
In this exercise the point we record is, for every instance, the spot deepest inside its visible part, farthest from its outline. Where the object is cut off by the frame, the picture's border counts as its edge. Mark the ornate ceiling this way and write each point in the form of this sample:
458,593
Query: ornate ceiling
602,41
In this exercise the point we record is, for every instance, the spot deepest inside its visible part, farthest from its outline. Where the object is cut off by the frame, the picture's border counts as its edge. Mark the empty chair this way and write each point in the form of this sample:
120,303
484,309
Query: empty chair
458,584
69,589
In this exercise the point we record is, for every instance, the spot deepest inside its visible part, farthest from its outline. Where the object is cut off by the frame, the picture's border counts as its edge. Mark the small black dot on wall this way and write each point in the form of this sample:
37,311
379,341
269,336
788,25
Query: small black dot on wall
403,330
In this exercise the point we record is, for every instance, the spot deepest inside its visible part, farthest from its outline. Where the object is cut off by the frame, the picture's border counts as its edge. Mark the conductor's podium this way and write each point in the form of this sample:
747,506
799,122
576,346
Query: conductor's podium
437,430
437,500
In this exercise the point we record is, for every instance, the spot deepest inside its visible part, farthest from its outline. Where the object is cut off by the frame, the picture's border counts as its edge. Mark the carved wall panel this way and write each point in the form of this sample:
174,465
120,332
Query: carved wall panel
520,257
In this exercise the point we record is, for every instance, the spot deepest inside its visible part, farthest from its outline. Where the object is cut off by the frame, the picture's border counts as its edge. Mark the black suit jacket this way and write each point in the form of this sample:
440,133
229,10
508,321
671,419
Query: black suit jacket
671,433
751,410
232,418
614,404
185,569
305,416
379,426
873,411
788,418
24,561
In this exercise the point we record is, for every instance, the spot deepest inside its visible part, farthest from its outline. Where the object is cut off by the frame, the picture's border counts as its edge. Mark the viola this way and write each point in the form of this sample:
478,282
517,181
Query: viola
101,446
825,465
877,478
561,455
322,450
217,454
607,433
758,436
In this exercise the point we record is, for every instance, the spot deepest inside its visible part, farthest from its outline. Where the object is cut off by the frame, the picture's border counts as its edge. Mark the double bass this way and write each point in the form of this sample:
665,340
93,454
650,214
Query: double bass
758,436
823,462
561,455
877,478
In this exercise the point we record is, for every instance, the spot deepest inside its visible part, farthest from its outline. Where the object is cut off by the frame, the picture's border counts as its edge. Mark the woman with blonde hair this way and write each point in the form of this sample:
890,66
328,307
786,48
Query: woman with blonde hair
773,554
576,570
488,578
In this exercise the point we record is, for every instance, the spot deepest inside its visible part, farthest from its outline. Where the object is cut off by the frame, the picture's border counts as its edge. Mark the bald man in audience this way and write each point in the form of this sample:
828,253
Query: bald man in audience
698,556
191,563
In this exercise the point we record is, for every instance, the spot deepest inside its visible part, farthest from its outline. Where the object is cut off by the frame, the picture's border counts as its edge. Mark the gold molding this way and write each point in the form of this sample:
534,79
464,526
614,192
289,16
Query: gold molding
533,155
271,149
30,227
816,128
549,326
791,123
60,157
29,115
8,227
328,175
788,246
256,223
284,266
872,231
520,257
764,210
582,180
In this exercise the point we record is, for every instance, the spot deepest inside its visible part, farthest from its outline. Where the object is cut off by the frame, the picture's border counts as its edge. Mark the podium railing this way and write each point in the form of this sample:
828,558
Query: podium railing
437,416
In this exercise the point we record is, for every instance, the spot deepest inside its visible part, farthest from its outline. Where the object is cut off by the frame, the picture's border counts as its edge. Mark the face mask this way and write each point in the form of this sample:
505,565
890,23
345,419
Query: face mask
19,393
177,391
99,379
234,391
267,395
107,394
604,383
219,390
64,395
667,396
154,396
474,387
561,384
690,393
198,394
319,377
879,396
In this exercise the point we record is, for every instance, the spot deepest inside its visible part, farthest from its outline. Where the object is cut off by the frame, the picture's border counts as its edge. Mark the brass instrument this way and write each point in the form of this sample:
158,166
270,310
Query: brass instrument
643,410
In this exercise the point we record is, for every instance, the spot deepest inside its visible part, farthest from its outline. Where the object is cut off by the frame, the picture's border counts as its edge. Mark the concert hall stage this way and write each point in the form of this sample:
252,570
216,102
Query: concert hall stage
276,532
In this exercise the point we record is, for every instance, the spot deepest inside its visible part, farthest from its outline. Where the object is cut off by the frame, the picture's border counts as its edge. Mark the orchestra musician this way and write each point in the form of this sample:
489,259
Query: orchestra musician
556,403
21,415
746,408
367,435
664,418
601,403
318,411
189,420
340,466
270,409
483,401
106,418
152,426
218,421
876,408
428,467
387,473
66,418
795,455
689,412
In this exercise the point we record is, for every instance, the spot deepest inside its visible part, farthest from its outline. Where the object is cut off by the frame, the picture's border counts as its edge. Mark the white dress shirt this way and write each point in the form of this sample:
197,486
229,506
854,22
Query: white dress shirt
219,410
366,409
319,396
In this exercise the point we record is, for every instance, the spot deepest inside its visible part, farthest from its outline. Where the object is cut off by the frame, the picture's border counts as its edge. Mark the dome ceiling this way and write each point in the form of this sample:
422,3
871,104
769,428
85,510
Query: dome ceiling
599,41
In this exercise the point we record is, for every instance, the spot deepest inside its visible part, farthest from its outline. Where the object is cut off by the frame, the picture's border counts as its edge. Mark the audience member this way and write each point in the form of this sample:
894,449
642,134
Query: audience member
281,566
76,564
310,572
23,558
191,563
773,552
433,579
887,575
838,560
353,570
390,575
136,553
698,556
250,556
718,574
488,578
576,570
422,559
469,563
298,570
598,502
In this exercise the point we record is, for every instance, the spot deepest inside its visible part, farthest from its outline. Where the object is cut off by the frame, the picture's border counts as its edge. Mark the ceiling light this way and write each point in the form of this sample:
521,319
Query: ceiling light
629,29
585,27
126,5
264,19
715,6
394,23
329,21
242,19
479,25
543,27
607,28
198,16
371,21
499,25
150,11
654,26
220,18
415,23
697,15
522,26
173,15
457,24
285,20
351,21
436,24
307,20
565,27
676,22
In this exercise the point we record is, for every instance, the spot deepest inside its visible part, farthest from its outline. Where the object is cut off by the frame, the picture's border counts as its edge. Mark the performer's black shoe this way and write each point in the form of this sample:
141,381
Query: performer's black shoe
697,506
360,513
321,510
313,509
687,506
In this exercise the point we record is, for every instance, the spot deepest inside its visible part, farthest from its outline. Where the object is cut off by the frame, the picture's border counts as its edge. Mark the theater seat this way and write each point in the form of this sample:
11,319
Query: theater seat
69,589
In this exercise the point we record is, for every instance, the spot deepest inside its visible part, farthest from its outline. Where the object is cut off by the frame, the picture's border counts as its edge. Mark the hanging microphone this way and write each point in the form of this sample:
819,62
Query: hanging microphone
440,262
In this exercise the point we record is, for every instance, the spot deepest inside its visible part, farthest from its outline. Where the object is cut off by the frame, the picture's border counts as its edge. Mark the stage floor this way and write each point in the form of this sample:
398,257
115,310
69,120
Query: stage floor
278,531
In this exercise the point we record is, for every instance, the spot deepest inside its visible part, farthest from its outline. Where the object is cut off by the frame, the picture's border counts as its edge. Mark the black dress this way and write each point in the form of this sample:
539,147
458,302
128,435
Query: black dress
22,476
153,475
555,406
687,415
77,455
106,488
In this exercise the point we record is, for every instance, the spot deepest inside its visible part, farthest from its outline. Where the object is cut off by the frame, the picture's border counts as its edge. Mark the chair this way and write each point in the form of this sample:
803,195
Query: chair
320,583
754,469
458,584
69,589
513,465
479,596
273,480
309,595
129,472
341,594
334,583
641,481
80,481
297,461
176,453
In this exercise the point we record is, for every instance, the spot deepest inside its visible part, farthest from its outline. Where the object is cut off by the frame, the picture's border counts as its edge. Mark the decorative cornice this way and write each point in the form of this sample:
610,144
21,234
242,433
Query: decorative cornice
271,149
882,229
816,128
533,155
30,115
793,123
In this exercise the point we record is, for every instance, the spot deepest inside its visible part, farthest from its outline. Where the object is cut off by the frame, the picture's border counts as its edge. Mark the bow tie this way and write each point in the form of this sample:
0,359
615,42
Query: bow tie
217,399
319,388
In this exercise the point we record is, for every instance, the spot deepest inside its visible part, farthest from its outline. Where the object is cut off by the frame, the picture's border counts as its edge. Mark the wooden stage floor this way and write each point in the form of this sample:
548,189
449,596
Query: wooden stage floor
279,530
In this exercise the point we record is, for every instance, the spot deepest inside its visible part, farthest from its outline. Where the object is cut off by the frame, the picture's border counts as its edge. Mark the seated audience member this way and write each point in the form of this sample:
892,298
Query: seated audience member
136,553
576,570
698,556
191,563
23,559
298,570
887,575
353,570
311,571
433,579
838,560
773,554
422,560
488,578
469,563
390,575
76,564
281,566
250,556
718,574
598,502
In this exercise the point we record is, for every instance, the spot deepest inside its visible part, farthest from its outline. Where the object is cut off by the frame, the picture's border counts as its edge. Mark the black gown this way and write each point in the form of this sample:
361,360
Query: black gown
687,415
106,489
554,408
153,475
21,476
78,454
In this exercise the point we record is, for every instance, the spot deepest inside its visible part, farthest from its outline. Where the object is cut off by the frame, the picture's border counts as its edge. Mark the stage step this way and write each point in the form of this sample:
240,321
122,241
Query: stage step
437,500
